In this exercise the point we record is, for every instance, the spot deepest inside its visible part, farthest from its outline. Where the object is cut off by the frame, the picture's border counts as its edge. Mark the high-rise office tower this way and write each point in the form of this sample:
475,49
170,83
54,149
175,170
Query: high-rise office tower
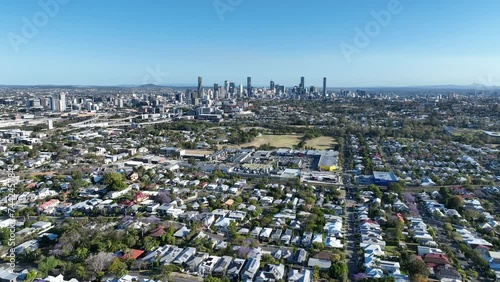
53,104
200,85
324,86
226,88
280,89
216,91
232,87
62,99
178,97
302,86
272,86
249,86
240,91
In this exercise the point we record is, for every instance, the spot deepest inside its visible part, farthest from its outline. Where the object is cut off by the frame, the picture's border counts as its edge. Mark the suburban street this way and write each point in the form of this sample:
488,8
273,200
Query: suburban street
351,255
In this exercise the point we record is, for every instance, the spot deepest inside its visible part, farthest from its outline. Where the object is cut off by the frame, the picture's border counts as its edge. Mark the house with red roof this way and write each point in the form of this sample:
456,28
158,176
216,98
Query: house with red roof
139,197
436,259
157,232
132,254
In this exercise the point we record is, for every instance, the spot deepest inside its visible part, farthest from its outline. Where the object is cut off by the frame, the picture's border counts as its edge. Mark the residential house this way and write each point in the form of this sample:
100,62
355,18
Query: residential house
275,237
265,234
271,273
436,259
184,256
206,267
306,239
323,264
234,269
287,236
300,256
222,266
300,276
447,271
250,270
195,261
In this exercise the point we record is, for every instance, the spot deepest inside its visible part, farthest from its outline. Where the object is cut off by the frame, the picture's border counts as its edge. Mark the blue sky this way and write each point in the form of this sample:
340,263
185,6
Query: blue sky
113,42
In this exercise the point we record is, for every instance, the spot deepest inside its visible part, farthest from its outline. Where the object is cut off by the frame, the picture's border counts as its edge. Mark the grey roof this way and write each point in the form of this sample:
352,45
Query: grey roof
223,264
185,255
235,267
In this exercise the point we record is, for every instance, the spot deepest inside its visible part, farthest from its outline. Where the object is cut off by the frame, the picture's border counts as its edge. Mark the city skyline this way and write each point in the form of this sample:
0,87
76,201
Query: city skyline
383,43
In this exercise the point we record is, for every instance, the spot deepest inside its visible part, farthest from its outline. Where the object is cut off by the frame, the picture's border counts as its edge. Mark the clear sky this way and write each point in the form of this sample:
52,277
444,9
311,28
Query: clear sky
115,42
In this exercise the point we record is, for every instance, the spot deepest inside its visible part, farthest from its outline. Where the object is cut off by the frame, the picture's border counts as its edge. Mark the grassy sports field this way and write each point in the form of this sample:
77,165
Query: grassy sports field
321,143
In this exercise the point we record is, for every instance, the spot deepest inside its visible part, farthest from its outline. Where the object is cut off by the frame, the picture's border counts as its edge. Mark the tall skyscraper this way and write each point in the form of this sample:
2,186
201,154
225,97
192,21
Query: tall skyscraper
249,86
54,104
216,91
272,86
226,88
241,91
232,87
178,97
302,86
200,87
62,101
324,86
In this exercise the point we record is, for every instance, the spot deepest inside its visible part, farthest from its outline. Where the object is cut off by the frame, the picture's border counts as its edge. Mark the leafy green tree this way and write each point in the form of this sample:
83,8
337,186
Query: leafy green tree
376,190
114,181
396,187
212,279
455,202
47,264
81,254
316,273
118,267
417,267
338,270
233,229
31,275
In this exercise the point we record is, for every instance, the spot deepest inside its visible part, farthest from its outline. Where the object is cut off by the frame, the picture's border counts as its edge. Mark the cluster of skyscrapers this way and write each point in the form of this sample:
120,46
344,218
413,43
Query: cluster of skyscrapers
230,91
58,105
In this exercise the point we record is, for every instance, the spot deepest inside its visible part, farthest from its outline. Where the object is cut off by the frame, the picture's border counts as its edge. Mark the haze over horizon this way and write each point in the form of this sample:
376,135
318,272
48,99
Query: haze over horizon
111,43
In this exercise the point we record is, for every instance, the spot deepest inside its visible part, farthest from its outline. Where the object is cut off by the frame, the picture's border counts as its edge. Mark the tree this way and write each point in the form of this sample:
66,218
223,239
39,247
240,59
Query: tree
316,273
232,229
338,270
97,263
396,187
81,254
31,275
47,264
76,174
118,267
376,191
212,279
455,202
419,278
114,181
417,267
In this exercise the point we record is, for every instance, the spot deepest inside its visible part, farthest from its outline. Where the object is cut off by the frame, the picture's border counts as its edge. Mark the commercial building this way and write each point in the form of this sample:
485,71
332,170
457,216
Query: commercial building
384,178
